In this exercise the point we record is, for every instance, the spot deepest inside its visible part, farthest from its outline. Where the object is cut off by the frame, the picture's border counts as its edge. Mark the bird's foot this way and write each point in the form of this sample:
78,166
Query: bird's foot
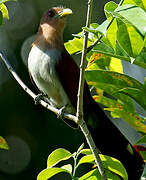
61,112
40,97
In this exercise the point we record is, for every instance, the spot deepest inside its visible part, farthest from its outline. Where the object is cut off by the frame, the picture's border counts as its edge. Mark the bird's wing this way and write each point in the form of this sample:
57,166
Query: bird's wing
68,74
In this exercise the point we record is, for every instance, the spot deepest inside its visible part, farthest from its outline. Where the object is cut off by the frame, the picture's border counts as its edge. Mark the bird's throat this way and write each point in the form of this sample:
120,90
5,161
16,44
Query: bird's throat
49,36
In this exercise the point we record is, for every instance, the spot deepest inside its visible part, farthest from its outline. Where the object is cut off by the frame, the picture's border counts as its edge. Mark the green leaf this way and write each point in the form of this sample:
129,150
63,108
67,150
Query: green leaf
86,159
125,110
74,45
92,28
106,49
117,83
109,7
112,34
140,3
130,40
86,151
92,175
109,163
56,156
95,175
114,166
95,28
103,27
3,144
126,14
116,65
67,167
4,11
48,173
121,87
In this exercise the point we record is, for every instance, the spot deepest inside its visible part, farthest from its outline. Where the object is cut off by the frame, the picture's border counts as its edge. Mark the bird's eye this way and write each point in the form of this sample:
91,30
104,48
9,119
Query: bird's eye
50,13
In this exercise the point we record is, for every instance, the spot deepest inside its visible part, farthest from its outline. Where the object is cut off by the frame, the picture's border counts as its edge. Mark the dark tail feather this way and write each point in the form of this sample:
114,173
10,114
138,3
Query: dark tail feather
110,141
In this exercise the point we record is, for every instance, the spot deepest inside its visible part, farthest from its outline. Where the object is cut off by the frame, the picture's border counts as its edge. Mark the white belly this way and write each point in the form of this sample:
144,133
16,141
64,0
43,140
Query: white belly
41,65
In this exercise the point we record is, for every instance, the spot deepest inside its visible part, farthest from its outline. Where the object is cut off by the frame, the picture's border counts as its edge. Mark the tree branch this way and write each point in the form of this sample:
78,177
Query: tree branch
25,88
81,121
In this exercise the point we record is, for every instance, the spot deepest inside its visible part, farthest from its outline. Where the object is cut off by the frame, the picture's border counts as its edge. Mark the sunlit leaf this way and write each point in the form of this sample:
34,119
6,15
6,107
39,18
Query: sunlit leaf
74,45
50,172
111,34
3,144
92,28
117,83
140,3
130,40
109,7
4,11
124,111
86,159
105,49
86,151
67,167
126,14
109,163
95,175
57,156
100,61
95,28
116,65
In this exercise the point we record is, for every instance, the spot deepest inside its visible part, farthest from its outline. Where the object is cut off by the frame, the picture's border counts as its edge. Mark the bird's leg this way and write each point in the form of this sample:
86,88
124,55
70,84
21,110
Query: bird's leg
40,97
61,112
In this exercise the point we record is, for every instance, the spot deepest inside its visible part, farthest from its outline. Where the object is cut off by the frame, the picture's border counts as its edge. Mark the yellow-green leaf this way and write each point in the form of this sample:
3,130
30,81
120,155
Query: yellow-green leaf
48,173
3,144
4,11
57,156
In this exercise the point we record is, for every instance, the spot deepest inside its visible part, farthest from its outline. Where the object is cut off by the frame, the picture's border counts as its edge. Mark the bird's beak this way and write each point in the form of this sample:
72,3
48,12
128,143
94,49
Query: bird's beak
64,12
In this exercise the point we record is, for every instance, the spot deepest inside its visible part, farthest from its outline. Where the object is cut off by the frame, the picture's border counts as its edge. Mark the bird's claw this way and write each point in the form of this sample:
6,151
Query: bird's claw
39,97
60,114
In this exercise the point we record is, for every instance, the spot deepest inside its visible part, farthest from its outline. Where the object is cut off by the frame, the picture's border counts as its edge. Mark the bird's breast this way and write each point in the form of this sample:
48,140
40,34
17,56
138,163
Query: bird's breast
41,65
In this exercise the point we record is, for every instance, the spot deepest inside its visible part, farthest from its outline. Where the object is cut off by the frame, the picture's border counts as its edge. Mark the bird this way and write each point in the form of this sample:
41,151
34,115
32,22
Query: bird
55,74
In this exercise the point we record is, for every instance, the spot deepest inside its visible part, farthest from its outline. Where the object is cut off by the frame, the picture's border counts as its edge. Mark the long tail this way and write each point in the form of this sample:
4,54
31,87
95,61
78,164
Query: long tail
110,141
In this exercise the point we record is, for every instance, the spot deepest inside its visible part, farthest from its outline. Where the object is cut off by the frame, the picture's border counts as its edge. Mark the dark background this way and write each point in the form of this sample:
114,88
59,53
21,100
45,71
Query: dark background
32,131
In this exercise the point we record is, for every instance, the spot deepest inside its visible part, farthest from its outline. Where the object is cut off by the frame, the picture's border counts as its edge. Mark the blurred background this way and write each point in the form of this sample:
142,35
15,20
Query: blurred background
31,131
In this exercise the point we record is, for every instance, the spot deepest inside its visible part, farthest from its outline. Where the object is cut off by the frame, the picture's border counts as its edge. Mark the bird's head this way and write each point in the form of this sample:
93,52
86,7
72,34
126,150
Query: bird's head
53,22
56,16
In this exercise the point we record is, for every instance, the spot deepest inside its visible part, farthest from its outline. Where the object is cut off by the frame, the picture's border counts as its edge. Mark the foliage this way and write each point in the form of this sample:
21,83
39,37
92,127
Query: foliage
3,144
122,36
3,11
114,169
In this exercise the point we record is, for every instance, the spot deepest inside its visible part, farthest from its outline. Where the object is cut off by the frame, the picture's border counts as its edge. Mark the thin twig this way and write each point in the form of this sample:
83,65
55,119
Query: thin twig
81,121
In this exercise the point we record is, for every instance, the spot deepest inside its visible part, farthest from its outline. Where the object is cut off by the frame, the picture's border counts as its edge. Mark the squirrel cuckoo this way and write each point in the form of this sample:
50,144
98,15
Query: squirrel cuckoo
56,74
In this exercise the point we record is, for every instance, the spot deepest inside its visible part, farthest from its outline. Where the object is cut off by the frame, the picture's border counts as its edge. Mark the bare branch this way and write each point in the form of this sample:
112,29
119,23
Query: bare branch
81,121
25,88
